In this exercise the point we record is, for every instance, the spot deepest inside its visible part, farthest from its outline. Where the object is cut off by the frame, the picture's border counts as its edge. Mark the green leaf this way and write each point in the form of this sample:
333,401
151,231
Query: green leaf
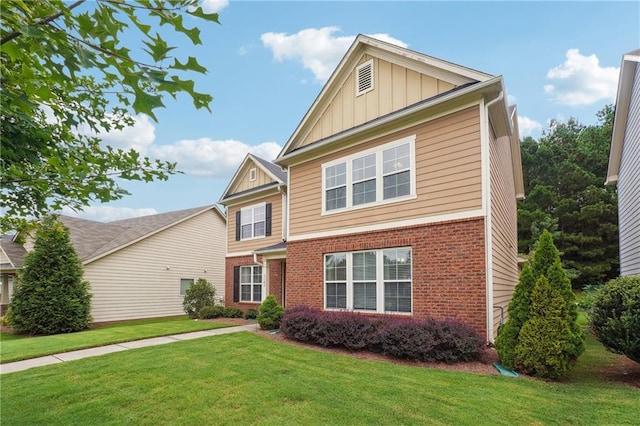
191,65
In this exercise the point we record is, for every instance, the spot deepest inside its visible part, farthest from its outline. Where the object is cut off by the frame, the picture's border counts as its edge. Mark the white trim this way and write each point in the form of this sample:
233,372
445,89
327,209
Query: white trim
378,151
366,64
252,207
256,163
486,207
469,214
239,254
288,216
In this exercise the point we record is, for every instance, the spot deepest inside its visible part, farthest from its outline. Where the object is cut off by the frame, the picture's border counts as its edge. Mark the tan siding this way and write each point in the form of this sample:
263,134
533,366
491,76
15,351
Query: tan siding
243,183
143,280
448,177
234,246
504,231
395,87
3,257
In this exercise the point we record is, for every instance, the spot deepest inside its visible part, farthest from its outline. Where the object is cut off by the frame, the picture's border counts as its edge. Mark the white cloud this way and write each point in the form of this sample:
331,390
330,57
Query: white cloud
214,6
214,158
511,100
580,80
528,126
107,213
243,50
140,136
319,50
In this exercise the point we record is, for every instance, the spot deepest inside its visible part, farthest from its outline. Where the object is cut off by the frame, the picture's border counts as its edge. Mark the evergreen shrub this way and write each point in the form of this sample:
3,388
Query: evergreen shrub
210,312
233,312
270,313
199,295
615,317
251,313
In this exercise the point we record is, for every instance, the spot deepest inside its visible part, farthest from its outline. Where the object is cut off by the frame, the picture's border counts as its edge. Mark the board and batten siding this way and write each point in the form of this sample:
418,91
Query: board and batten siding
243,181
395,87
448,178
629,187
234,246
504,227
143,279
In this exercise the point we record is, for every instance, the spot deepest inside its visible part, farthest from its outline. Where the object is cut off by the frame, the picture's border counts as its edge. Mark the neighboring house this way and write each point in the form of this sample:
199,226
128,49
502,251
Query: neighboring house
256,201
624,162
141,267
11,255
400,194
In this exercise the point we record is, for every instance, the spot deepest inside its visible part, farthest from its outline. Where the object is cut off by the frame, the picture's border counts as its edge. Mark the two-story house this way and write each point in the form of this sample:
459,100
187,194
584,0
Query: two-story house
399,195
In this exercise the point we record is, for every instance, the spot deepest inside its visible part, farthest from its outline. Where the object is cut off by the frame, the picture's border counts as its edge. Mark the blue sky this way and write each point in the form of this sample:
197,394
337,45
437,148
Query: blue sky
267,62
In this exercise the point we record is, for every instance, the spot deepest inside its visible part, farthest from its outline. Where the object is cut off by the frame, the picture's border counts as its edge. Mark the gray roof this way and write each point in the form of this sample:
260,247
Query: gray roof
276,170
14,251
276,247
93,239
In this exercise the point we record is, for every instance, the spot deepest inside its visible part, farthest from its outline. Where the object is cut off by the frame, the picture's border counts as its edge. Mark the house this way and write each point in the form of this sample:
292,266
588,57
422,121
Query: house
256,202
399,195
141,267
624,158
11,255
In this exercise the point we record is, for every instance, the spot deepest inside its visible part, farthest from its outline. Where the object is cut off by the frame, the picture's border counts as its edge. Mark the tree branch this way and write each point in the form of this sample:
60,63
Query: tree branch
42,21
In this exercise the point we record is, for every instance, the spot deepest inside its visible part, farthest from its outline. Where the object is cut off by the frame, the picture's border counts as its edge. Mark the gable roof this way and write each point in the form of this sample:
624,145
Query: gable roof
14,252
275,172
438,68
623,98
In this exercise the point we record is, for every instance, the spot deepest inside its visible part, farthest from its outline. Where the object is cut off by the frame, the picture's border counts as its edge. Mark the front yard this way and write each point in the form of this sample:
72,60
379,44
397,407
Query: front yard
245,378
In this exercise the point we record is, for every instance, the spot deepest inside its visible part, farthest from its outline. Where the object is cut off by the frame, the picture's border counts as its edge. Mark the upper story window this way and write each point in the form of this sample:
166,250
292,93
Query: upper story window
253,221
376,176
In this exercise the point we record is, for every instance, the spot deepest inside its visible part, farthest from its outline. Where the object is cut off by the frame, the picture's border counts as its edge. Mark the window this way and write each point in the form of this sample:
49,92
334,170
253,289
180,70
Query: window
252,221
185,283
252,175
251,283
374,280
336,186
380,175
364,78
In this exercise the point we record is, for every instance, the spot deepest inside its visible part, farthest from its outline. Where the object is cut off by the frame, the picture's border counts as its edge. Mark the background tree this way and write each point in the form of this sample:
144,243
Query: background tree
50,296
564,174
200,295
67,74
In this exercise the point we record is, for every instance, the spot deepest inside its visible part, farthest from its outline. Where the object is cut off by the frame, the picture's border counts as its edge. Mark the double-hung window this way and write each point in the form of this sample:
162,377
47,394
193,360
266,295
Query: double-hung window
251,283
375,176
252,221
373,281
185,284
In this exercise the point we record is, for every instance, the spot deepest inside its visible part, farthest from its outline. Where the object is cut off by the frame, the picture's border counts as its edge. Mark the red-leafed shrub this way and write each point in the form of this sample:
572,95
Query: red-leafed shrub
402,337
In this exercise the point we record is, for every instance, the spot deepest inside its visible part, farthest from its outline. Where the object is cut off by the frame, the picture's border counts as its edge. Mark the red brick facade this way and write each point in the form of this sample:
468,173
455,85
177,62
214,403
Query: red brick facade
275,280
448,260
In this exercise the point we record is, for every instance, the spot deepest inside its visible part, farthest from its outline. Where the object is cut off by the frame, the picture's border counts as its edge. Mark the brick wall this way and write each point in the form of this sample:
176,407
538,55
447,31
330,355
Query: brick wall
449,274
275,280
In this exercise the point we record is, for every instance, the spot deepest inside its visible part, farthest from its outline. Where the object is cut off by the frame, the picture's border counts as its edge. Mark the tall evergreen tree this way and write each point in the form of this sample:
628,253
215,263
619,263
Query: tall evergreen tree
50,296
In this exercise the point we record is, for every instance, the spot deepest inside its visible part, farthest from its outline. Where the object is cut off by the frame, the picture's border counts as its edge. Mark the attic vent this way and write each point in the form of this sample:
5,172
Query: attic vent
252,175
364,78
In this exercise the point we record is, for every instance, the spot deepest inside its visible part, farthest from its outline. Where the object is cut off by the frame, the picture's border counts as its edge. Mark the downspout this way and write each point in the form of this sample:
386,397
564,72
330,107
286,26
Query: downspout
488,224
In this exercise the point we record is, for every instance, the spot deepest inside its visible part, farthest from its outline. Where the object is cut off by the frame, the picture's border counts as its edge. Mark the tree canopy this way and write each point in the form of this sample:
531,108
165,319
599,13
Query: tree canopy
564,174
67,75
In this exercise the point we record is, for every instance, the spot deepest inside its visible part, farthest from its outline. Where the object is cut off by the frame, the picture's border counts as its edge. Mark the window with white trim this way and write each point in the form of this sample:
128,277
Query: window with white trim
185,284
252,221
251,283
372,281
376,176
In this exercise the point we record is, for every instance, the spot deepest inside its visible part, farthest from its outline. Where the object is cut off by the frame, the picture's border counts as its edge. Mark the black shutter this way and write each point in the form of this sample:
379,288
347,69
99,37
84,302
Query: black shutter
267,219
236,283
238,225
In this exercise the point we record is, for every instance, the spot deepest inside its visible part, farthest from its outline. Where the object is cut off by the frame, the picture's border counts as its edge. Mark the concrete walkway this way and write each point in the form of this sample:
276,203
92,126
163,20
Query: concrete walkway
11,367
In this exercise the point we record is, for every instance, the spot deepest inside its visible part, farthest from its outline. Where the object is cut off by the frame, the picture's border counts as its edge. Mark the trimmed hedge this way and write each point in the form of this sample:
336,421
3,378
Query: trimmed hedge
209,312
402,337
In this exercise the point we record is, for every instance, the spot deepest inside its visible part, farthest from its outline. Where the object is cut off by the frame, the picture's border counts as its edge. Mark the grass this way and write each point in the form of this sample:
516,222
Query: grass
15,348
244,378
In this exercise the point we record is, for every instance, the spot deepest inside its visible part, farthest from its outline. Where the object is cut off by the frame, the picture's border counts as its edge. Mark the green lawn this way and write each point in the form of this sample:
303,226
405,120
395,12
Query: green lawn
244,378
15,348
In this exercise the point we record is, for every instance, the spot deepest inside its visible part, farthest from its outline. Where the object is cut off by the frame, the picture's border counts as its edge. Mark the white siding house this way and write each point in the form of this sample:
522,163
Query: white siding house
624,162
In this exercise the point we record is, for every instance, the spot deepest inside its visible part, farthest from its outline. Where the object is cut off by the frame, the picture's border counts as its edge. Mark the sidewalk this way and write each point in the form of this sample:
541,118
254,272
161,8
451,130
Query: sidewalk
11,367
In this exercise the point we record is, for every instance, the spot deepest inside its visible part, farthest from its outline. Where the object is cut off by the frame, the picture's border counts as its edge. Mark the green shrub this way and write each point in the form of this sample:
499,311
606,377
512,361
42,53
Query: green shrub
50,295
615,318
209,312
545,344
233,312
199,295
251,313
270,313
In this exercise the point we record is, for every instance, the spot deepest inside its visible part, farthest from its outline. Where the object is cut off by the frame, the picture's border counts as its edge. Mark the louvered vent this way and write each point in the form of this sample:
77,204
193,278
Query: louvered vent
364,78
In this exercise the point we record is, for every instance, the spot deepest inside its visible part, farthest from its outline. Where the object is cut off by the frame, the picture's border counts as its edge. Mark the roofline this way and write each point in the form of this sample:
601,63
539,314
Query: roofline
235,175
362,42
250,193
9,259
128,243
516,156
412,109
623,98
